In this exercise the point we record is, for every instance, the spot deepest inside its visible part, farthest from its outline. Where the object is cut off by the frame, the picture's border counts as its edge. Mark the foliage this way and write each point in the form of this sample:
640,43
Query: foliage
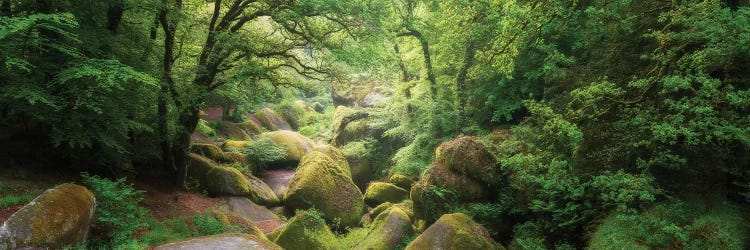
264,150
117,208
208,224
204,129
14,200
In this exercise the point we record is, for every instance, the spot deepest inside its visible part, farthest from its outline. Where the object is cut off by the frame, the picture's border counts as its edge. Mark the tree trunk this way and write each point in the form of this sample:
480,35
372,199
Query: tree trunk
404,78
461,81
114,16
174,156
5,9
436,131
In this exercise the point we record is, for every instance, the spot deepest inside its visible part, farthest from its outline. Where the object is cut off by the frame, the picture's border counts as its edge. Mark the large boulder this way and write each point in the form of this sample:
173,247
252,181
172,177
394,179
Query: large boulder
296,145
251,127
271,120
261,216
232,145
337,156
467,155
234,131
350,124
321,184
211,151
233,241
388,230
401,181
380,192
59,217
292,112
229,181
305,231
454,231
439,189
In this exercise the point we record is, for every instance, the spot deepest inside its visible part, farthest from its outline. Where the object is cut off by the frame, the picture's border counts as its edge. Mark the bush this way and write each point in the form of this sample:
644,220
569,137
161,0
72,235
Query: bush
204,129
161,232
117,209
264,150
13,200
207,224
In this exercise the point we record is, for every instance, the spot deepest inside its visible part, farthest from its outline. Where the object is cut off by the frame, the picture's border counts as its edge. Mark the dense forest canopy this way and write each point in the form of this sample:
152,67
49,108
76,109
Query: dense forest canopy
591,124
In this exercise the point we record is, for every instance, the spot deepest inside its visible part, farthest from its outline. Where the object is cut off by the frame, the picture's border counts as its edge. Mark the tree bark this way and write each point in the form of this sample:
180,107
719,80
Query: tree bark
5,9
404,78
114,17
172,160
437,133
469,54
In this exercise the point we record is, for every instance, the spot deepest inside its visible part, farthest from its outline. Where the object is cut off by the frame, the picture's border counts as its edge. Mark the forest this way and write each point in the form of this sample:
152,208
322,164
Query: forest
375,124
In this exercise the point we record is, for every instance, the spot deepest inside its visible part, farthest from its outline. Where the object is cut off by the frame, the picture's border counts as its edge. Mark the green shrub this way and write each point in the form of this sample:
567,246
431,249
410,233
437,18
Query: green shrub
13,200
204,129
264,150
679,224
316,125
117,209
207,224
161,232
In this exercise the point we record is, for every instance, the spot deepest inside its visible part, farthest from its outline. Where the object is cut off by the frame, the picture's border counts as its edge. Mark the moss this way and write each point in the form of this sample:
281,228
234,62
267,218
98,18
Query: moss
295,144
454,231
251,127
261,193
349,125
337,156
235,157
227,181
292,112
401,181
306,232
58,217
380,208
439,189
321,184
198,166
388,230
232,145
271,120
379,192
232,131
211,151
468,156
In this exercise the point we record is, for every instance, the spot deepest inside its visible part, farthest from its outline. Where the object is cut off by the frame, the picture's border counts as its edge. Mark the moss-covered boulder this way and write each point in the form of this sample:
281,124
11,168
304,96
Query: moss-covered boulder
228,181
292,112
379,209
233,131
337,156
439,189
296,145
388,230
232,145
59,217
210,151
271,120
305,232
232,241
350,125
401,181
319,183
454,231
258,215
251,127
467,156
380,192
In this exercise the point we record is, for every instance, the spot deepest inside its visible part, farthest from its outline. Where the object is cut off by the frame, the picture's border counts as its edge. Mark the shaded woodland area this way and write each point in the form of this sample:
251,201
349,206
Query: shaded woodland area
375,124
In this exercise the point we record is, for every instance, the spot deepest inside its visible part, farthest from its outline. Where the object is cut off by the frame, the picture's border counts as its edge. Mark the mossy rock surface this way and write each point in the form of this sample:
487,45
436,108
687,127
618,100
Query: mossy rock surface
337,156
380,192
232,241
296,145
361,171
228,181
454,232
467,155
305,232
232,145
198,166
439,189
233,131
319,183
252,127
59,217
271,120
261,193
292,112
388,230
210,151
402,181
379,209
349,125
